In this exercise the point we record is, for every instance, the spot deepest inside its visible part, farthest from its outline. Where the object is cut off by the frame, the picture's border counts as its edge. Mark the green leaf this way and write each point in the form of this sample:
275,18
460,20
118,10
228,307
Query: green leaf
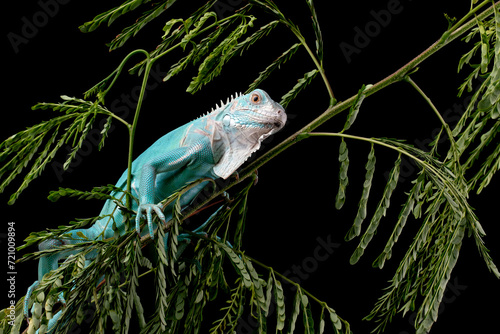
296,310
199,297
381,210
22,147
321,329
301,84
343,179
280,305
81,235
180,302
317,31
355,230
398,228
337,323
168,26
354,110
198,24
104,132
257,285
283,58
252,39
140,23
212,65
307,315
239,264
111,15
269,293
99,193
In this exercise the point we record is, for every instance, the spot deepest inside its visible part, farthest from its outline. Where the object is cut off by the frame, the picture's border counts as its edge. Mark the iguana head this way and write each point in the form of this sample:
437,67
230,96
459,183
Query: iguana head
242,123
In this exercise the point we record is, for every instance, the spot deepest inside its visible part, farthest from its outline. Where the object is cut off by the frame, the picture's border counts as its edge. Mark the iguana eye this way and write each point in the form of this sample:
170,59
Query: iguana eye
255,98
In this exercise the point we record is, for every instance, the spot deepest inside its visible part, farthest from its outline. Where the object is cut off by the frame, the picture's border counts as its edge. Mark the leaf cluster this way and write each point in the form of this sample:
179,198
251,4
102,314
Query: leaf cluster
111,15
42,141
481,117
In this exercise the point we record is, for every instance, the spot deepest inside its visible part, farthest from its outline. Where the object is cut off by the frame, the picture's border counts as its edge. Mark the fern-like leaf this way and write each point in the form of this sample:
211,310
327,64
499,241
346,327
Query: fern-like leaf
317,30
111,15
398,228
343,178
301,84
381,210
283,58
280,305
99,193
295,310
20,149
307,315
354,110
232,311
212,65
132,30
363,202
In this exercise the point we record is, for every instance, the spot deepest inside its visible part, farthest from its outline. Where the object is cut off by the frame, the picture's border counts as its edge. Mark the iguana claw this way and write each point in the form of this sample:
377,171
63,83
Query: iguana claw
148,210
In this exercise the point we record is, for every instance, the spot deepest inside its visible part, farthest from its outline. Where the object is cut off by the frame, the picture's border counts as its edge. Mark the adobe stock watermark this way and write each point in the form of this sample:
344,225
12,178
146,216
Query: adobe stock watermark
364,35
298,273
226,7
122,107
452,291
31,24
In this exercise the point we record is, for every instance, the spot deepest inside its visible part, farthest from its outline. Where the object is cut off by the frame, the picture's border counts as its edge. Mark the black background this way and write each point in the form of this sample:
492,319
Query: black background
293,204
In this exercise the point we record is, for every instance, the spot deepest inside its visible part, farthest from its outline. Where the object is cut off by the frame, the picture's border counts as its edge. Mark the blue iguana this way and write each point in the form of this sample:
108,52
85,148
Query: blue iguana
212,146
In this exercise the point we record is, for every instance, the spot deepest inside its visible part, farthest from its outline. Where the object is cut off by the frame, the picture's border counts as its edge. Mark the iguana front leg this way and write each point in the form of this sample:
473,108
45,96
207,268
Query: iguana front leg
194,155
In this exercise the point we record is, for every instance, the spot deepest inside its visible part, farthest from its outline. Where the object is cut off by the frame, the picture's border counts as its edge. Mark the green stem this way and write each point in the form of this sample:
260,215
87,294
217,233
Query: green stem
270,6
320,68
132,129
370,140
457,168
119,119
472,12
433,107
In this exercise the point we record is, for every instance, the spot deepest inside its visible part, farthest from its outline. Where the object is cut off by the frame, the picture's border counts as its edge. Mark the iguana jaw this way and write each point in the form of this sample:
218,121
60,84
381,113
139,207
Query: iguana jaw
241,126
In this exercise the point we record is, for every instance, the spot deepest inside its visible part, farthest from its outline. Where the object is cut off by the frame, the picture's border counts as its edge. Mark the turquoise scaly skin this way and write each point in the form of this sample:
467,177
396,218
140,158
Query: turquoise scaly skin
212,146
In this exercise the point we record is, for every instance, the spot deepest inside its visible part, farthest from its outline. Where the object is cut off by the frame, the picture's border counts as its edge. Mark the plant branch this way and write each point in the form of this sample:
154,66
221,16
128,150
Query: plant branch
319,66
133,128
453,143
463,19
